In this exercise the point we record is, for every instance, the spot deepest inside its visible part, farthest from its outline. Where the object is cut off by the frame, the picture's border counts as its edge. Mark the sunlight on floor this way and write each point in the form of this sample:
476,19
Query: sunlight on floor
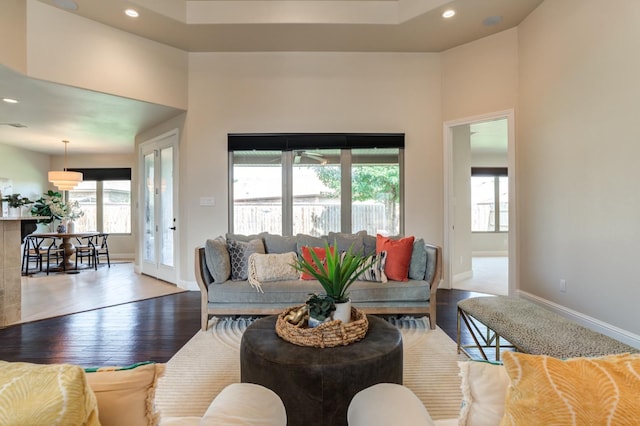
60,294
490,275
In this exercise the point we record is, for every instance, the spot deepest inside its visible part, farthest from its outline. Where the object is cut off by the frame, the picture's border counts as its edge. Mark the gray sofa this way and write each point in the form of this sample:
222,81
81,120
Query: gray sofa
220,295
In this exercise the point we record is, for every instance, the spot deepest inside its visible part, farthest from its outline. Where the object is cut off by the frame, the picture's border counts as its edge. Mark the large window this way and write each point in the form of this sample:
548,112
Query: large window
489,200
105,198
316,190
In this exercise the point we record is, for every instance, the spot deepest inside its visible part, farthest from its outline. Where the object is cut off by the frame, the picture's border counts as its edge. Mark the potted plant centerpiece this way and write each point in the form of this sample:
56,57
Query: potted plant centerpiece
335,274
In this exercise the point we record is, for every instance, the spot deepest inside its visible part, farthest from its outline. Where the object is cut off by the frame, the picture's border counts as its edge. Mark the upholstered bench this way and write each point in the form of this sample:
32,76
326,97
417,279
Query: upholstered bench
531,329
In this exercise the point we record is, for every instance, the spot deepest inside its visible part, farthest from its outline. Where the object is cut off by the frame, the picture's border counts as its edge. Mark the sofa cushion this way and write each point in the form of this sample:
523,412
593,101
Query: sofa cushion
297,291
398,256
320,252
217,259
346,241
369,242
126,394
54,394
595,391
244,237
484,386
304,240
264,268
375,269
239,252
280,244
418,263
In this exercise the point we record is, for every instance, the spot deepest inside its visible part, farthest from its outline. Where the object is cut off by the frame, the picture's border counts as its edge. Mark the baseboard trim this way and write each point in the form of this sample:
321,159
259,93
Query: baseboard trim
594,324
188,285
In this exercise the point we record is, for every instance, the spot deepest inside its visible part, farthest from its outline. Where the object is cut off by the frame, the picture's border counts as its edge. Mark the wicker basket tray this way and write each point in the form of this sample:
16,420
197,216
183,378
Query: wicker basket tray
326,335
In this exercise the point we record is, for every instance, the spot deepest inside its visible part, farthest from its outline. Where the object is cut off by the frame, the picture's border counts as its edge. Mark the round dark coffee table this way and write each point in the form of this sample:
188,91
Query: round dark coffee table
316,385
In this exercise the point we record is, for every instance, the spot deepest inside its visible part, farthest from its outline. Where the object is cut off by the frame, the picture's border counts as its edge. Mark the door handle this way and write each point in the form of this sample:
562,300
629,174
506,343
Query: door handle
173,228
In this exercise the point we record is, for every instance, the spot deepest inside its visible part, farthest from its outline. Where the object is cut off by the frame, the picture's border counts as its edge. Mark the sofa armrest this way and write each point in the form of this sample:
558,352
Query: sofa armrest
434,260
203,279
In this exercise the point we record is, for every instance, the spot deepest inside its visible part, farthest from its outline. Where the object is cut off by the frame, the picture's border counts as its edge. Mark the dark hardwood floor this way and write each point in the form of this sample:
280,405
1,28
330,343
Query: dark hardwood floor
153,329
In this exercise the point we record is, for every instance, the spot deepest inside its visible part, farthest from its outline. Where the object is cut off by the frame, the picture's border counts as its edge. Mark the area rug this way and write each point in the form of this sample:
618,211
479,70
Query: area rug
211,360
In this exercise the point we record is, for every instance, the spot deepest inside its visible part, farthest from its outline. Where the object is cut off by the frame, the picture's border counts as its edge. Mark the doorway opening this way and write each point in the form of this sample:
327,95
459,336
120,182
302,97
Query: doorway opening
480,185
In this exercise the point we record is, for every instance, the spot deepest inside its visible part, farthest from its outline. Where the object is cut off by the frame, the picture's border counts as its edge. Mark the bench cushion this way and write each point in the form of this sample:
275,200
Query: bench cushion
536,330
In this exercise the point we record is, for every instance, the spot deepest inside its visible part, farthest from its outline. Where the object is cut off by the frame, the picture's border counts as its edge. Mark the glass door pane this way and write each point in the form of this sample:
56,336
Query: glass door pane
149,245
166,206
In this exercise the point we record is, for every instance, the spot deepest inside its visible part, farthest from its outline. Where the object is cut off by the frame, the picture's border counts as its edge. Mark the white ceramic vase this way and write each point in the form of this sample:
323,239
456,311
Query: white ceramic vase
343,312
14,211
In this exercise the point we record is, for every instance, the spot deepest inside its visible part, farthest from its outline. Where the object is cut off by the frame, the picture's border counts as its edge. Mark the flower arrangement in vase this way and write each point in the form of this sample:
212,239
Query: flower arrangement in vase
52,205
16,202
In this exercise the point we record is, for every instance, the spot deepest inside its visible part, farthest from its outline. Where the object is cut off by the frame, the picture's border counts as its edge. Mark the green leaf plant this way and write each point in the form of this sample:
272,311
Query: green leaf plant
337,272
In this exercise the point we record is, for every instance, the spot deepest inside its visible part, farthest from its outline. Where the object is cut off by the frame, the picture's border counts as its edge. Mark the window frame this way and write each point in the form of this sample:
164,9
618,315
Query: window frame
287,143
496,173
100,175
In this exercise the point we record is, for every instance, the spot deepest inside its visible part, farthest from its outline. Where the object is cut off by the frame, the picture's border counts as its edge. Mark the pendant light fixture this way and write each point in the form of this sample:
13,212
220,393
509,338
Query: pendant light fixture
64,179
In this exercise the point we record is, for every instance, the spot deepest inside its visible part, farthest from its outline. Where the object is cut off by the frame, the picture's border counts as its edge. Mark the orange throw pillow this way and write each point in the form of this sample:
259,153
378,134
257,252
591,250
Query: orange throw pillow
306,255
398,256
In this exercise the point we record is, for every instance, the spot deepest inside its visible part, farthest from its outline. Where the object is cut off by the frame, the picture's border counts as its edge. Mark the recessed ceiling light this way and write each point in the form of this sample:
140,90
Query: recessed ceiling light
10,100
449,13
132,13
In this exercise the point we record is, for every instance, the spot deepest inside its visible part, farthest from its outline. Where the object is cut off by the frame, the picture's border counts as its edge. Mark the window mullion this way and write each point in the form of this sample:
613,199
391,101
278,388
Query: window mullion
287,193
496,201
345,190
99,205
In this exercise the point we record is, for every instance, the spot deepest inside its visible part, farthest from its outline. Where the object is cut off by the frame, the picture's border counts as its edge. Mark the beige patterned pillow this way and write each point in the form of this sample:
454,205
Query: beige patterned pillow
55,394
576,391
271,267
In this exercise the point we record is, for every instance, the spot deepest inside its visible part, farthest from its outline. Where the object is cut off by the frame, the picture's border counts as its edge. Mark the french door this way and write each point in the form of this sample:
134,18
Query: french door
158,202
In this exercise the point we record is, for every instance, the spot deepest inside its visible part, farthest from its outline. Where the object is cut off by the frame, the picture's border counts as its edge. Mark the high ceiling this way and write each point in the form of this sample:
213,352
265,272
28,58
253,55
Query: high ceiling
54,112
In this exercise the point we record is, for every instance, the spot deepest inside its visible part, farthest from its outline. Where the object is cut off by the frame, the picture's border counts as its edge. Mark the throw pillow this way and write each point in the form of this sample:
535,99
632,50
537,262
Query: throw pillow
576,391
369,242
398,256
126,394
272,267
54,394
346,241
306,255
239,252
244,237
484,386
375,270
418,263
279,244
304,240
218,261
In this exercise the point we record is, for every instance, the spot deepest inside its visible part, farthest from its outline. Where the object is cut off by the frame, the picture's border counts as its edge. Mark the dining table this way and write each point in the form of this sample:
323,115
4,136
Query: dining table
67,244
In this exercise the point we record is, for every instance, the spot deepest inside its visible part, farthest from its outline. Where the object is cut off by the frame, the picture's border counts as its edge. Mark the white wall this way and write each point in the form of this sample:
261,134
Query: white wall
68,49
480,77
26,169
461,265
309,92
13,34
578,154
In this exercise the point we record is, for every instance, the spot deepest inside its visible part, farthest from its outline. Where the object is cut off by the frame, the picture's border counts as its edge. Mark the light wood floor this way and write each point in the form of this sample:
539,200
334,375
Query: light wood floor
490,275
61,294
